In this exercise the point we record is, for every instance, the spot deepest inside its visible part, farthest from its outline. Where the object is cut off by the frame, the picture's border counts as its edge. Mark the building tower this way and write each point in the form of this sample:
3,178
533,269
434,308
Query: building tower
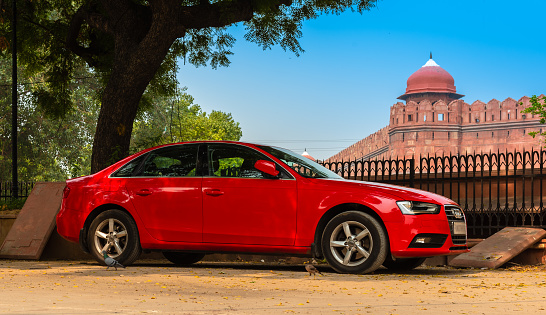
429,122
432,83
435,121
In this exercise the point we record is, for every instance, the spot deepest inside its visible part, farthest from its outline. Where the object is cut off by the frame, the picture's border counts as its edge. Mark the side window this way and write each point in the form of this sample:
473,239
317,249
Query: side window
228,160
173,161
128,169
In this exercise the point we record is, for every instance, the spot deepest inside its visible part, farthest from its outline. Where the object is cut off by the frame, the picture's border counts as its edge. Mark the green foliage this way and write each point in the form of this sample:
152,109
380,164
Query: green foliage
42,27
57,36
537,107
12,204
228,164
49,149
54,149
281,25
178,120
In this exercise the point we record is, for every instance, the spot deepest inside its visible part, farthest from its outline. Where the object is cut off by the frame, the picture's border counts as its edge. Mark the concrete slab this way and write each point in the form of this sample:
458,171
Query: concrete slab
499,248
34,224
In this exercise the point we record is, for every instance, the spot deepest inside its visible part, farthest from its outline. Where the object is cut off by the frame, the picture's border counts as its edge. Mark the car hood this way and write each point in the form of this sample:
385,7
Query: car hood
396,192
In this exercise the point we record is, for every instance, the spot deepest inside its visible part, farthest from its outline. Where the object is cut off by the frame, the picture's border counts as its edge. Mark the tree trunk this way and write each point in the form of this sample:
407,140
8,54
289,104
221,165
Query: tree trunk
114,125
136,60
142,38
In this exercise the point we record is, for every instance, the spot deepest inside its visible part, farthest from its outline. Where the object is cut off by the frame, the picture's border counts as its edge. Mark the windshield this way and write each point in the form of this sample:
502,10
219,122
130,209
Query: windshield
302,165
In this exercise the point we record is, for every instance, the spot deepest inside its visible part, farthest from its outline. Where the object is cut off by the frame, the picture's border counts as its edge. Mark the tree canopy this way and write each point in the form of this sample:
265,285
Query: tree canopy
537,107
132,47
53,149
178,120
50,149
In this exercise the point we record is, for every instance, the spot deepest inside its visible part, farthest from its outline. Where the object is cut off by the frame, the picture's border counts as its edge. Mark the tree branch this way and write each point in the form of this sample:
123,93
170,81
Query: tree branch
219,14
94,20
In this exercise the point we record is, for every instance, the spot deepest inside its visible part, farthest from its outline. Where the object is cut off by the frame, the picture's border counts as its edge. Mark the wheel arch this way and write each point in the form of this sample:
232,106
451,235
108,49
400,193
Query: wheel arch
92,215
330,214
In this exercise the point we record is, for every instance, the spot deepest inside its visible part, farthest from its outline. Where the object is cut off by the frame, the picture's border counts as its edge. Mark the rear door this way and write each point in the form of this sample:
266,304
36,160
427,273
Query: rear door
166,192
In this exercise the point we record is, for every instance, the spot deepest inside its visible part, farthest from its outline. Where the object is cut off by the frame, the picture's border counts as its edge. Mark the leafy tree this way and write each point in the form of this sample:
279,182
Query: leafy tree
133,45
180,120
53,149
50,149
537,107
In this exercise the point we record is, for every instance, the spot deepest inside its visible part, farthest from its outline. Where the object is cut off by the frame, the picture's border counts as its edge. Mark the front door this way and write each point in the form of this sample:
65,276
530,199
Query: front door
242,205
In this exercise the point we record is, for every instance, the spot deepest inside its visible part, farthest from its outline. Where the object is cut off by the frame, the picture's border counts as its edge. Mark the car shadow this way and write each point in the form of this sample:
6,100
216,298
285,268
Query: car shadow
290,267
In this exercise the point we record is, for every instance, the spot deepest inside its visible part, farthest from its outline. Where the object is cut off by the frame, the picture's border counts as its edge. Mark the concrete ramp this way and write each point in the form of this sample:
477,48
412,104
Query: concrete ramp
499,248
35,223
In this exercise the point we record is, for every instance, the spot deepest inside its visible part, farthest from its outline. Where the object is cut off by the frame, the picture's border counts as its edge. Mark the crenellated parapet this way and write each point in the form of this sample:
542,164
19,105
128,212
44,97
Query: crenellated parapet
435,128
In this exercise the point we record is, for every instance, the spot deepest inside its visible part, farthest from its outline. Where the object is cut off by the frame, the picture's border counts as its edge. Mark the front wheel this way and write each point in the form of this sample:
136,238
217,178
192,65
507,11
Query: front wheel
116,233
354,242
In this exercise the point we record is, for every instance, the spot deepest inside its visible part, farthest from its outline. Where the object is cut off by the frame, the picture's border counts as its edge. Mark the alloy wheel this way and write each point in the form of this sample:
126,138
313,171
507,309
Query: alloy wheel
111,236
351,243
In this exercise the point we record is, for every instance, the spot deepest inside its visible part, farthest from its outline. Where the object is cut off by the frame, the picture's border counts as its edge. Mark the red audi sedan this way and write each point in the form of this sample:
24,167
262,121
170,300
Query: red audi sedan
190,199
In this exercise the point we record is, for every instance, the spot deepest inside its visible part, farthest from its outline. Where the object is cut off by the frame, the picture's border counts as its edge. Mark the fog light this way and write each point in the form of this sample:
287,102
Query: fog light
428,240
422,240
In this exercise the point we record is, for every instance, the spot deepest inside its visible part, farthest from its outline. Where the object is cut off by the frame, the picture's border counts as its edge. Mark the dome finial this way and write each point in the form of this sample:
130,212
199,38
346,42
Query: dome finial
431,55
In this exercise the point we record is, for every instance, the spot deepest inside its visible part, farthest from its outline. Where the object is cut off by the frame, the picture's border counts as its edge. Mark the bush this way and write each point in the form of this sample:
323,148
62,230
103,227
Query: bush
12,204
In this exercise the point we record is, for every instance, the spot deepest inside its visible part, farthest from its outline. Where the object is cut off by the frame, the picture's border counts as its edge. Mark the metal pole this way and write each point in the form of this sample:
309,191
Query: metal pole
14,186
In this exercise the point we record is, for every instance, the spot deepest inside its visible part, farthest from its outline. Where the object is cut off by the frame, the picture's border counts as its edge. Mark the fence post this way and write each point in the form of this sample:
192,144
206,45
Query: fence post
412,172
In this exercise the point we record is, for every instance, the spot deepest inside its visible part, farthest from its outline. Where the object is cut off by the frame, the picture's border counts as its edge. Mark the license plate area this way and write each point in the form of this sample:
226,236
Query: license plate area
458,228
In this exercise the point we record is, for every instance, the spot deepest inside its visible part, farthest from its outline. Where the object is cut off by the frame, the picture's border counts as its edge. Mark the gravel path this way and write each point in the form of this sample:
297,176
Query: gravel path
61,287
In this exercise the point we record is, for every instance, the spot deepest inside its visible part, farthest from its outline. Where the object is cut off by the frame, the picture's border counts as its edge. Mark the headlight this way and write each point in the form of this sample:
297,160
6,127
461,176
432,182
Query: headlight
416,207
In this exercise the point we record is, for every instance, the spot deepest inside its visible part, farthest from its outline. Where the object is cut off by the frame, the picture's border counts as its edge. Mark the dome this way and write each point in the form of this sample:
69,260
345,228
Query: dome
431,78
308,156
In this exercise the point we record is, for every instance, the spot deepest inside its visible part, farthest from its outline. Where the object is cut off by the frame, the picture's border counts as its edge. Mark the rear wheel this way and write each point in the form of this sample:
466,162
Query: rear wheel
183,259
354,242
115,232
402,264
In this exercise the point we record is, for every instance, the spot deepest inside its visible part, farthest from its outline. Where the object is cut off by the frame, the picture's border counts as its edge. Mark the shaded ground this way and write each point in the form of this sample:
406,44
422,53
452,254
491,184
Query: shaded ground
30,287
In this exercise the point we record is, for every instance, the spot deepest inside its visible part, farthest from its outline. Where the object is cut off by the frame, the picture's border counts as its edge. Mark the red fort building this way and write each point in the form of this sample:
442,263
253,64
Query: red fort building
435,121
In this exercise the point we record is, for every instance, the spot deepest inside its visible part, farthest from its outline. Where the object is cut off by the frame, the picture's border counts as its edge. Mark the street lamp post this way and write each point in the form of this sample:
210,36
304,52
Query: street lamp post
14,187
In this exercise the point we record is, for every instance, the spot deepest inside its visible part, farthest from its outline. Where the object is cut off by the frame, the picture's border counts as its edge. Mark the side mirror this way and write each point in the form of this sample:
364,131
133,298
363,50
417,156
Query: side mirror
267,167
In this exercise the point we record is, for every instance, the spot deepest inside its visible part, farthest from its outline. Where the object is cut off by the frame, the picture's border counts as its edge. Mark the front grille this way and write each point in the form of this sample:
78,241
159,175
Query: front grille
458,237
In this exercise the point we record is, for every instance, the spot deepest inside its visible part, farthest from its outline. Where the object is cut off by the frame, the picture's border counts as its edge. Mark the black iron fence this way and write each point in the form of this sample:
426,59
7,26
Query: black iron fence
496,190
6,190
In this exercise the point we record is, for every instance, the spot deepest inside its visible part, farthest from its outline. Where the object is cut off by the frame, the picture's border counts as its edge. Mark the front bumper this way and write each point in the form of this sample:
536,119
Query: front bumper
429,235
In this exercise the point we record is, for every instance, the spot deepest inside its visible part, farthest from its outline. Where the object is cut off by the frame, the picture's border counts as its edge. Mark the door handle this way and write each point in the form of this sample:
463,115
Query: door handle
214,192
144,192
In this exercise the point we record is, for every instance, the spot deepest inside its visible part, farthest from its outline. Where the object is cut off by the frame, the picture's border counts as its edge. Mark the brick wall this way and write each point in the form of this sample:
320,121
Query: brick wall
440,128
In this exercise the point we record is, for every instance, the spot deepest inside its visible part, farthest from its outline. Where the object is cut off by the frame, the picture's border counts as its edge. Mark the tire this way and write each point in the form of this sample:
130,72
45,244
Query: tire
183,259
116,232
402,264
354,242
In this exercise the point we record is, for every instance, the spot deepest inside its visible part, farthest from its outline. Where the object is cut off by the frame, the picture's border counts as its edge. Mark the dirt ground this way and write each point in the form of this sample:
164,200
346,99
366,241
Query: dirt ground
62,287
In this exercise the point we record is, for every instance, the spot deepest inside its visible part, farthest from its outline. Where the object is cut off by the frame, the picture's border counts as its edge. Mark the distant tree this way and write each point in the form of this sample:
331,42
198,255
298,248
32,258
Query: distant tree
537,107
177,120
133,46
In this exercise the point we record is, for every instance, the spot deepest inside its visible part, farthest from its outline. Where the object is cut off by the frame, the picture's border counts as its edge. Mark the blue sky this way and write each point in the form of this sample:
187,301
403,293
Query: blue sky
355,66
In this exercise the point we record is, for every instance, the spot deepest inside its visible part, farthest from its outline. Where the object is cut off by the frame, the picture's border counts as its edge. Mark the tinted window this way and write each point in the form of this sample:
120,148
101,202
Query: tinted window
128,169
226,160
173,161
304,166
